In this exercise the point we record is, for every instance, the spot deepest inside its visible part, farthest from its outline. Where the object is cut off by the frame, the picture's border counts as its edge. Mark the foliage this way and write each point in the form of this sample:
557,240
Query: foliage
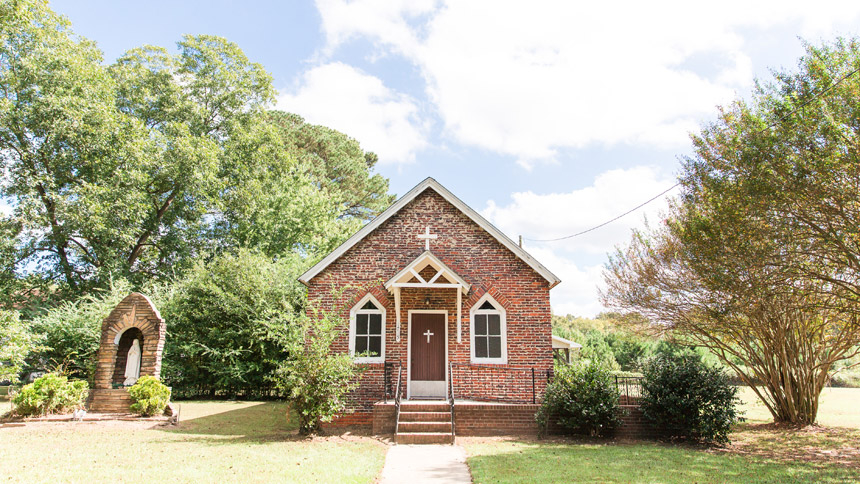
583,398
135,169
73,329
17,341
219,334
150,396
683,397
51,393
759,261
315,379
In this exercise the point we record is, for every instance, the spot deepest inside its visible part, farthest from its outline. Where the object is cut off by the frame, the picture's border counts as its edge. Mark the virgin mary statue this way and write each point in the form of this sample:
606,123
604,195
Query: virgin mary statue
132,364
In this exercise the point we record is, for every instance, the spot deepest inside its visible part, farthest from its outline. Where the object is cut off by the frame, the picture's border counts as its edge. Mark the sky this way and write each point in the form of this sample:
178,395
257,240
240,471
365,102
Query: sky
547,117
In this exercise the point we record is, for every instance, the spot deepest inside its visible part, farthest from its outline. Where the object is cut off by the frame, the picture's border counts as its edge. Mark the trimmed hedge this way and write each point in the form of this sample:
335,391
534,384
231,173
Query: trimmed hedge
685,398
583,398
150,396
51,393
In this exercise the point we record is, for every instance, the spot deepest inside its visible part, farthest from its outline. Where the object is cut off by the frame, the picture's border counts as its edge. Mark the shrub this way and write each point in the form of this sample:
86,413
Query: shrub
72,331
51,393
150,396
316,380
17,341
219,342
583,398
683,397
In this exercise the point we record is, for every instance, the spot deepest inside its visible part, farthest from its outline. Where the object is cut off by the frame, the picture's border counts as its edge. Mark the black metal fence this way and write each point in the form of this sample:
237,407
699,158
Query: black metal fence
498,383
629,388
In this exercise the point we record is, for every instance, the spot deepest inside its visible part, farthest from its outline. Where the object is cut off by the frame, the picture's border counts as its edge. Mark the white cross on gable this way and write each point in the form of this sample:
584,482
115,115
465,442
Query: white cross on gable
428,334
426,236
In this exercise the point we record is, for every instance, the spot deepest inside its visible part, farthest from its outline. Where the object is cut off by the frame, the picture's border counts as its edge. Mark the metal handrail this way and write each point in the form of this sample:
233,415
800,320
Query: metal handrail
397,394
451,394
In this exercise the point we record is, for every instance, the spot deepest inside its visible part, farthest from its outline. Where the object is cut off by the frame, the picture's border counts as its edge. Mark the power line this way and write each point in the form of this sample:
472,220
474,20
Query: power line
609,221
771,125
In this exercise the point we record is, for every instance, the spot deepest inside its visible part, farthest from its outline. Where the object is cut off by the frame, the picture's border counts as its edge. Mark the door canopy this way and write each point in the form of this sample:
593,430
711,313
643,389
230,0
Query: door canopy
444,278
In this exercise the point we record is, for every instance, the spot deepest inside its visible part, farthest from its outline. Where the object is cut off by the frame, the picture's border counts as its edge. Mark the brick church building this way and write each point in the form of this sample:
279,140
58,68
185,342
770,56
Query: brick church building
444,303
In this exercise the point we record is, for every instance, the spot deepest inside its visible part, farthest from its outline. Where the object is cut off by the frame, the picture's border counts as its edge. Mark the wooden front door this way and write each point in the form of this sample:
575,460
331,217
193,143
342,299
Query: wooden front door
427,362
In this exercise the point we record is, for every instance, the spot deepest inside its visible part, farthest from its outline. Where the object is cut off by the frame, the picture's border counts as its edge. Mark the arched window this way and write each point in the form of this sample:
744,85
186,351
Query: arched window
488,332
367,331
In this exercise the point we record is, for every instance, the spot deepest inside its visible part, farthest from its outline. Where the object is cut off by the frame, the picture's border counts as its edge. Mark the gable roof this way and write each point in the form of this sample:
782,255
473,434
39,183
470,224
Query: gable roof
401,278
429,182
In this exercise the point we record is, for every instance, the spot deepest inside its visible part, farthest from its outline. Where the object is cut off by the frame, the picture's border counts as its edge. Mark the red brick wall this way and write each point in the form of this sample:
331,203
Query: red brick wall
470,252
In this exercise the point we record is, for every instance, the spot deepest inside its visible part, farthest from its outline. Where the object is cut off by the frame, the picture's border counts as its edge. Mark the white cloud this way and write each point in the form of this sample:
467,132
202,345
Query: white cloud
5,208
555,215
578,261
342,97
528,79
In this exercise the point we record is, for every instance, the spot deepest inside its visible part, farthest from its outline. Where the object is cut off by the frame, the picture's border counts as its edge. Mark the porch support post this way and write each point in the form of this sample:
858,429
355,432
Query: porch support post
459,314
397,310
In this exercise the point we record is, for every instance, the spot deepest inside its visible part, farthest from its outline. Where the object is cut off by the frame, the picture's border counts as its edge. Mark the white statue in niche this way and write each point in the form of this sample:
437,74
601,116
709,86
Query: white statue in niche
132,364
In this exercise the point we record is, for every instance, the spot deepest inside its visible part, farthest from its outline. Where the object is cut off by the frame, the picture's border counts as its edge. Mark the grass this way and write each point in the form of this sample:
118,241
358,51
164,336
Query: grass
215,442
760,453
837,407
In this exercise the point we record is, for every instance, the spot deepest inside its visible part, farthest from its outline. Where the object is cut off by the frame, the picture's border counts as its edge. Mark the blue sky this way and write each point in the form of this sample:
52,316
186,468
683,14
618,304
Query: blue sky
548,117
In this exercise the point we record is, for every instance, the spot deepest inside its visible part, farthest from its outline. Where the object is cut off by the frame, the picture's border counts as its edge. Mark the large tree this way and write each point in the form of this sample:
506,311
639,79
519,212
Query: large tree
137,169
758,260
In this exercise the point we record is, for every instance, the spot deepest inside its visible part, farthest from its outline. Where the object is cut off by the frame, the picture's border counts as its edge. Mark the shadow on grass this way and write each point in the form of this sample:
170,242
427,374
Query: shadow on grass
539,462
813,444
255,423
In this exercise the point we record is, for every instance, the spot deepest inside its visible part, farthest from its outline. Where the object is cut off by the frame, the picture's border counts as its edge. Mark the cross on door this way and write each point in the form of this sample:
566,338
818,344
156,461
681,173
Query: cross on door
428,334
426,236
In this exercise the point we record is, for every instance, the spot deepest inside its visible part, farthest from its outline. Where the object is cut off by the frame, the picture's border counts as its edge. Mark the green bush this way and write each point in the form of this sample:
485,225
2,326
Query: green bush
583,398
316,379
219,342
685,398
150,396
51,393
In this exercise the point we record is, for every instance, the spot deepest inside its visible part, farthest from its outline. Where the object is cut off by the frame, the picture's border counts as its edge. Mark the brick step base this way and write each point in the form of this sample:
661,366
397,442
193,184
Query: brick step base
410,427
114,400
425,438
424,416
424,423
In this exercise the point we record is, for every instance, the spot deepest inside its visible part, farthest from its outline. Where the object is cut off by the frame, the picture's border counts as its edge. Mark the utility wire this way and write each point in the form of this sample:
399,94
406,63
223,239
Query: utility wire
608,221
771,125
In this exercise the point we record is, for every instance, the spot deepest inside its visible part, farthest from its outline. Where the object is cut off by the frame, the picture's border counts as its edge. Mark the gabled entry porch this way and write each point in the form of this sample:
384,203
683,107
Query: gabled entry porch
423,286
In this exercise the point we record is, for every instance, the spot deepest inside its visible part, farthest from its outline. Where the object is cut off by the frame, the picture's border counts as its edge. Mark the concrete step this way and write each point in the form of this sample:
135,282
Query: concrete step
412,427
425,416
425,438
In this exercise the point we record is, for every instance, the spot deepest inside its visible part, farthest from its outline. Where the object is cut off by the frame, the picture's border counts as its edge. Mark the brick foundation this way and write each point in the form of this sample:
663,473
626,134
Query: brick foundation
481,419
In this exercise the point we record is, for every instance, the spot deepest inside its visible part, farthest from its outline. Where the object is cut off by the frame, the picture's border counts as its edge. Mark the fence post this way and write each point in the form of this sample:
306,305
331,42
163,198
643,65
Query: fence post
534,400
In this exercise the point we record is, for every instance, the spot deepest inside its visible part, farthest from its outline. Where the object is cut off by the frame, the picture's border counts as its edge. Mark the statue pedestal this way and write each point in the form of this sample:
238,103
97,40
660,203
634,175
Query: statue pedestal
114,400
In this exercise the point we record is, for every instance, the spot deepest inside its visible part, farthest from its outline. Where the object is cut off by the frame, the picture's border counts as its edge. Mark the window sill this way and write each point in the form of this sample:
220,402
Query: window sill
375,359
489,361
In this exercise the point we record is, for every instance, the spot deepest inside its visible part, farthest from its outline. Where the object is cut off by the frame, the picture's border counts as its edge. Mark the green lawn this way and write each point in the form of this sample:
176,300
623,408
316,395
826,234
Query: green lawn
215,442
759,453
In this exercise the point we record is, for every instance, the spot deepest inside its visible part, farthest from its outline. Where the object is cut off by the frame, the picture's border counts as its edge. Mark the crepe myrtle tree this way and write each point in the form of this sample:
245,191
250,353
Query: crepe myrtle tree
759,259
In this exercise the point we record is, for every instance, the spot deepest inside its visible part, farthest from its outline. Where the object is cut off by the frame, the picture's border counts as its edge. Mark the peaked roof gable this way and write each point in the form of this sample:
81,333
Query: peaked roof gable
453,200
413,268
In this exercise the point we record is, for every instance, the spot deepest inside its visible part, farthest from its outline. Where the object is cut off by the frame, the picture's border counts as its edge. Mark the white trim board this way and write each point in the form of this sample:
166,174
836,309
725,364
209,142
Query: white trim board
453,200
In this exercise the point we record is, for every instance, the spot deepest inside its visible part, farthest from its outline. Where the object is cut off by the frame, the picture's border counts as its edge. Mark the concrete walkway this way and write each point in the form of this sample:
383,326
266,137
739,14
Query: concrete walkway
418,464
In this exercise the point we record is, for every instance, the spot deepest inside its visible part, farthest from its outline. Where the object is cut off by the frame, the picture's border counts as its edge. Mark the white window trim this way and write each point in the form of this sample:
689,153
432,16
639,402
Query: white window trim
503,327
356,310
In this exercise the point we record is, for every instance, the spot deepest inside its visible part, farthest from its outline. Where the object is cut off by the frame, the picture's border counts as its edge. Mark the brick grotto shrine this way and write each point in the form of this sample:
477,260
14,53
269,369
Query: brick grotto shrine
453,321
131,345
